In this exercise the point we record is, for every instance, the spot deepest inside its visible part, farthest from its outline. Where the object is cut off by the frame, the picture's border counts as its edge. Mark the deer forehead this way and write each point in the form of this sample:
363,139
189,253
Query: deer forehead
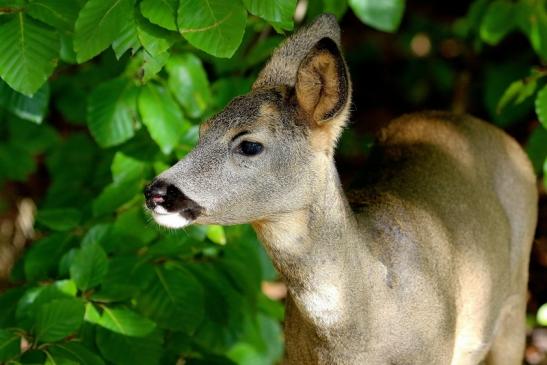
263,110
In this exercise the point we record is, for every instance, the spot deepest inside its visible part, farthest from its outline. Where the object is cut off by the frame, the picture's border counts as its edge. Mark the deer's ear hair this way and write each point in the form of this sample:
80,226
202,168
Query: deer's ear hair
322,82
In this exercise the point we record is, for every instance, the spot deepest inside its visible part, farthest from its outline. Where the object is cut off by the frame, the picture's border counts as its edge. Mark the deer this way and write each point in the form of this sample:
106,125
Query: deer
426,263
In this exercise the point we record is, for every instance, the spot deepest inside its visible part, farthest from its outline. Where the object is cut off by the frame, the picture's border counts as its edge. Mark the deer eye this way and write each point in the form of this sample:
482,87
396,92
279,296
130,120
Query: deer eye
250,148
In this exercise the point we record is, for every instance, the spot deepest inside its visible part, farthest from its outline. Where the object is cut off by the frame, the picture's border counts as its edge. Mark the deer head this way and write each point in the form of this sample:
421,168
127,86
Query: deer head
265,153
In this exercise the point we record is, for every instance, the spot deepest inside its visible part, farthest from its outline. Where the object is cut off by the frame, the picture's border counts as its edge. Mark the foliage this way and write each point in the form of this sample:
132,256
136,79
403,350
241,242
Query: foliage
495,21
102,95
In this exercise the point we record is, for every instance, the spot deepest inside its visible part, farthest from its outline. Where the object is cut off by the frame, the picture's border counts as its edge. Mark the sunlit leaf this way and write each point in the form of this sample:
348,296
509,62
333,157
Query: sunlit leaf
99,23
112,112
498,21
31,108
385,15
28,53
510,94
58,319
216,234
127,37
279,11
541,106
174,299
188,82
127,174
126,322
60,14
162,116
89,266
161,12
214,26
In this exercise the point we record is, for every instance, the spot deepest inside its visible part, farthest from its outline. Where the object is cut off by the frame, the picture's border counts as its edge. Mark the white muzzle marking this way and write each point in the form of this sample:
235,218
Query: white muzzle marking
171,220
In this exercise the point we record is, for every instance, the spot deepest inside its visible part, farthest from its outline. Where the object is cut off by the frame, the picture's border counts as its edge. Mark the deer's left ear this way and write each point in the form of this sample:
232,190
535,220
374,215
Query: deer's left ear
322,83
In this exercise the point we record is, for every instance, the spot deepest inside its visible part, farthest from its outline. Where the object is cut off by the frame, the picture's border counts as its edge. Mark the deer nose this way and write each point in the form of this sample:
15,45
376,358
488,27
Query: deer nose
162,197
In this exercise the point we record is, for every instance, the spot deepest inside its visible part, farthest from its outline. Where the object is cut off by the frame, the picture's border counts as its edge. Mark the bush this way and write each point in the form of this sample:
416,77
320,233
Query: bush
99,96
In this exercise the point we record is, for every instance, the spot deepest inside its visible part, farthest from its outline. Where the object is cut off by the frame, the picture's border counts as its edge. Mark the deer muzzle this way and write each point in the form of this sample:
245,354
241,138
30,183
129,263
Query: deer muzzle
170,207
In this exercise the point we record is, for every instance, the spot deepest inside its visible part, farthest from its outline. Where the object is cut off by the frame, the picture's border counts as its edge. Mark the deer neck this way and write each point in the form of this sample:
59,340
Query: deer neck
311,248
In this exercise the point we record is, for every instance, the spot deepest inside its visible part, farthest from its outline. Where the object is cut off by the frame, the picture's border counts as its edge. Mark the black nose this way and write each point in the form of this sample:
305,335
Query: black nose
169,197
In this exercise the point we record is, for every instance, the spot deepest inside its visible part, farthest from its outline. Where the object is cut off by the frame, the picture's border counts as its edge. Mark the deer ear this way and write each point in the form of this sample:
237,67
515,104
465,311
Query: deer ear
322,83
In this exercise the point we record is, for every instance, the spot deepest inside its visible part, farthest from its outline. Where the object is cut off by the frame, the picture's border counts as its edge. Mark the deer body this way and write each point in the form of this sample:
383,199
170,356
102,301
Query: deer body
441,279
426,264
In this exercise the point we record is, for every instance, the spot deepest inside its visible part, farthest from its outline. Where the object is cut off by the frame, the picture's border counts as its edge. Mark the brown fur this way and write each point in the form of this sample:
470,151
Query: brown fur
429,263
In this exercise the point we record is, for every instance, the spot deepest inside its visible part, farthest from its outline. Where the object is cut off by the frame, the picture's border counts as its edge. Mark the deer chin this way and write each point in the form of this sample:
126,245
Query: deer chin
171,220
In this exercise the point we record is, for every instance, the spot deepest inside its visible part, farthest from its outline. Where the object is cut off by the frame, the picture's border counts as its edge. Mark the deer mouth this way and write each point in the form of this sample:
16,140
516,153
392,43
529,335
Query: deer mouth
170,220
169,206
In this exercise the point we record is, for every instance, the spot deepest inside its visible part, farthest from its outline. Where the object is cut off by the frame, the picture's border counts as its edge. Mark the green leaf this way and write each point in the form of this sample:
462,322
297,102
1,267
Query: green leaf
134,223
385,15
161,12
280,12
91,315
34,298
153,38
541,106
59,219
8,302
145,66
128,175
136,350
89,266
9,345
174,299
58,319
115,195
531,18
34,138
16,163
536,148
76,352
226,89
498,21
126,322
528,90
57,359
272,308
188,82
216,234
112,112
214,26
98,25
60,14
66,286
162,116
497,78
127,37
31,108
41,258
125,277
510,94
126,168
28,53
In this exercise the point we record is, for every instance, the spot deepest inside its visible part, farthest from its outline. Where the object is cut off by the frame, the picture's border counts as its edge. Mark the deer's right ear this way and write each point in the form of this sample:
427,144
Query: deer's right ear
322,83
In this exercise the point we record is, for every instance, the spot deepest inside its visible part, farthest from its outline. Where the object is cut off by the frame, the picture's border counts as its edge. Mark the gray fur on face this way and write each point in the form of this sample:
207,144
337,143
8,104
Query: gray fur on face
233,188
